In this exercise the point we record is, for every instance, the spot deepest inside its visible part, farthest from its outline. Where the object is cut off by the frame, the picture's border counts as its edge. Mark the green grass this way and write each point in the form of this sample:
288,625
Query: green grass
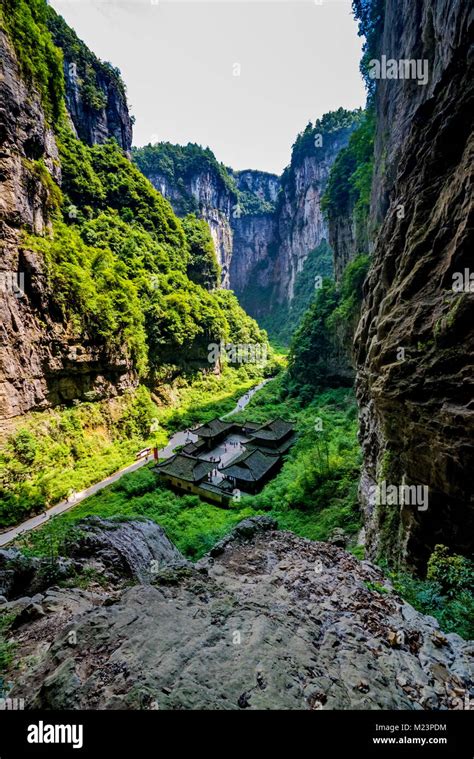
54,452
315,491
191,524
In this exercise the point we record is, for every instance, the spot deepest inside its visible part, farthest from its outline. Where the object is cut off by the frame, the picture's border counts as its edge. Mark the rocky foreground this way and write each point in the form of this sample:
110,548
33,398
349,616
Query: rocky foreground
267,620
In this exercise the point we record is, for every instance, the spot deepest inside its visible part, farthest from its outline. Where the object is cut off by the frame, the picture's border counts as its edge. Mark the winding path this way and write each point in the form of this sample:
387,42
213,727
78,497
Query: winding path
179,438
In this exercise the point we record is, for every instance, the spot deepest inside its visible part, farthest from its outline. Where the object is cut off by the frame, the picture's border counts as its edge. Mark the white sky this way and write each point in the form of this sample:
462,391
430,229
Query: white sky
298,60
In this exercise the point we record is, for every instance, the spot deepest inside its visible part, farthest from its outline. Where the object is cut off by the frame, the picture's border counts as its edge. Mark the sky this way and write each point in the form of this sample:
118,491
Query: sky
242,77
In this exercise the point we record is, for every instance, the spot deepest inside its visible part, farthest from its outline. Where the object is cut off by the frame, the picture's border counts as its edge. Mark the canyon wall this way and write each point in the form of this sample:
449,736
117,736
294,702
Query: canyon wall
415,340
94,91
204,193
263,226
301,224
41,362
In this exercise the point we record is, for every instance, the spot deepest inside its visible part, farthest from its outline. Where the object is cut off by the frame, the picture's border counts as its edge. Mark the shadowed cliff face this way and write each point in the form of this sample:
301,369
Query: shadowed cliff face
270,250
41,363
94,126
415,341
204,193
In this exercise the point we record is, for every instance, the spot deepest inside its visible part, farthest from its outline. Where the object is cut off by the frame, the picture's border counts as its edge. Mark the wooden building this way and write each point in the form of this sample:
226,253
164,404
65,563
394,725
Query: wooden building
185,472
264,446
252,469
214,432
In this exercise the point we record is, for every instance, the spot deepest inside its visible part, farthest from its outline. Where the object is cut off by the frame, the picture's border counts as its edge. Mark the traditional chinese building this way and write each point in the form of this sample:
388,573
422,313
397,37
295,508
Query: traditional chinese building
184,472
214,432
252,469
191,471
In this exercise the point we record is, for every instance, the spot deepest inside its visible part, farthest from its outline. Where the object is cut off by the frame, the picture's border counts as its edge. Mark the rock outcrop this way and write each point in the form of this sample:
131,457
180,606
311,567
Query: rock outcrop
415,341
135,550
95,93
41,362
301,223
269,621
206,194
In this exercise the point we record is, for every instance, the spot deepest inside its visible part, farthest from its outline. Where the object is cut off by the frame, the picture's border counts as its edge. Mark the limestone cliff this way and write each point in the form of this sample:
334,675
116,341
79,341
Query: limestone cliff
264,227
95,93
206,194
415,341
301,223
41,362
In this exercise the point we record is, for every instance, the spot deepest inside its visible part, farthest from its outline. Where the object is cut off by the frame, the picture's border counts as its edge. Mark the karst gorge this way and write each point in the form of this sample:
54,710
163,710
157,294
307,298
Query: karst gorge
136,282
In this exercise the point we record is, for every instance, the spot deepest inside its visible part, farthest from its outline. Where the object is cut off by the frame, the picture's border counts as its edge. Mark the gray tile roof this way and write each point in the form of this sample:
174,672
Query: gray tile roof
280,449
185,467
274,430
251,465
213,428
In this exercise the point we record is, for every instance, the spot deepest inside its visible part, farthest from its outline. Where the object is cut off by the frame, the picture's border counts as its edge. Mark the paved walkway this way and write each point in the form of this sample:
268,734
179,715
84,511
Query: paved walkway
179,438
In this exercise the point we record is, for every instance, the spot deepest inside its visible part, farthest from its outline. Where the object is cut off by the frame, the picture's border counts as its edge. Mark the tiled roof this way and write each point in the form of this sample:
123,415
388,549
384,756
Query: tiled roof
274,430
212,428
278,450
185,467
193,448
251,465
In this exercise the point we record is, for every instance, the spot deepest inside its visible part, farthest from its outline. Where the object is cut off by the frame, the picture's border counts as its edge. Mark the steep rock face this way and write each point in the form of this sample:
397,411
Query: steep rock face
266,227
252,237
95,94
346,241
415,341
268,621
41,362
95,126
205,194
260,184
298,228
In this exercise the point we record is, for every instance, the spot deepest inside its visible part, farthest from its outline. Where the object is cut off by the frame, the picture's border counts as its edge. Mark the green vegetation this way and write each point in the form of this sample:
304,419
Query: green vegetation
7,647
447,593
177,164
318,139
283,322
370,14
127,272
207,396
315,491
40,61
328,127
321,344
88,68
251,203
202,266
68,449
125,276
192,525
350,181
